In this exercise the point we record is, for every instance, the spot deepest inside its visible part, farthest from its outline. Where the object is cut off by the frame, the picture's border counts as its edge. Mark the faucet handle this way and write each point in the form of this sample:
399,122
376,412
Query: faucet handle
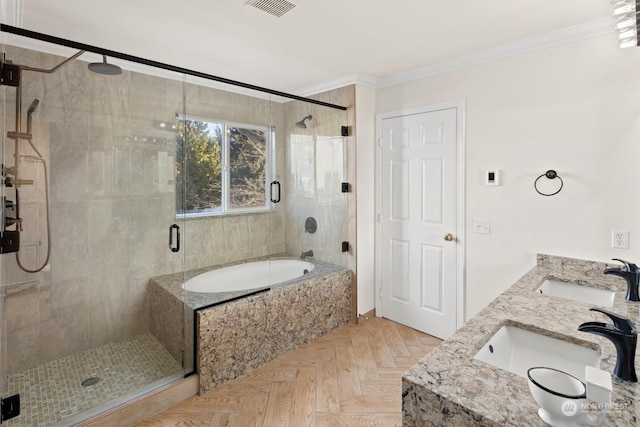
628,266
622,323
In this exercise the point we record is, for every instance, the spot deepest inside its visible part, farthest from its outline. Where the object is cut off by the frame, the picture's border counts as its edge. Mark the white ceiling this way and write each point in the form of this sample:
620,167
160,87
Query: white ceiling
319,41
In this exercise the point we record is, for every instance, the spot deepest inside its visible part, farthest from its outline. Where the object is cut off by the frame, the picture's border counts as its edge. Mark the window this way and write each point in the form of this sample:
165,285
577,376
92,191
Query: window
221,167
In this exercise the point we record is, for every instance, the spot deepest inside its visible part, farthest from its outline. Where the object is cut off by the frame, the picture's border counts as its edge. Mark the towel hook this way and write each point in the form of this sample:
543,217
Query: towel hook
550,174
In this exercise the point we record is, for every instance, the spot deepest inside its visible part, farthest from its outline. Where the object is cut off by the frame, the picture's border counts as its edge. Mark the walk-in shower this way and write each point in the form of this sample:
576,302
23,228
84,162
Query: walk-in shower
98,181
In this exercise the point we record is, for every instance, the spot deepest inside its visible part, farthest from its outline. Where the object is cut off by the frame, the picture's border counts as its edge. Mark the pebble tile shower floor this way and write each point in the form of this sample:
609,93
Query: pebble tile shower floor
53,391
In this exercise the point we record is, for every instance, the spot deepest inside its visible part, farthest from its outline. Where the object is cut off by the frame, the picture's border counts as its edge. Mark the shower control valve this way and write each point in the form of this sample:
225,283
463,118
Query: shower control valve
9,209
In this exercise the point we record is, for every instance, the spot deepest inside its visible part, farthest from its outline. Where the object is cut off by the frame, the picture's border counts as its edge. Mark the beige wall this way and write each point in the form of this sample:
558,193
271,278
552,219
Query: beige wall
365,189
573,108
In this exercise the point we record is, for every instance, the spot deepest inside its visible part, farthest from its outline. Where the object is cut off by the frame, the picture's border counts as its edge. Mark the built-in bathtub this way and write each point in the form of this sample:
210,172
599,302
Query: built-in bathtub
248,276
223,335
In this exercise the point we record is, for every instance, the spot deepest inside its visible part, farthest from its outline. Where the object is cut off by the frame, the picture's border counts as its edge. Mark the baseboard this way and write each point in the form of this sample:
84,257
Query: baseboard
366,316
148,405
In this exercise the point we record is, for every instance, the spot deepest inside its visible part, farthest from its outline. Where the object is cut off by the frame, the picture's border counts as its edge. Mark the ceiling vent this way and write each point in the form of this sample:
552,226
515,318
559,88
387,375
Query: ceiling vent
273,7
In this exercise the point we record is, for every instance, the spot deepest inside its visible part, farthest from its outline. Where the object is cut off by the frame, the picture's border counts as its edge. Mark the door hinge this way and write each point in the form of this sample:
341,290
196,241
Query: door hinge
380,218
9,407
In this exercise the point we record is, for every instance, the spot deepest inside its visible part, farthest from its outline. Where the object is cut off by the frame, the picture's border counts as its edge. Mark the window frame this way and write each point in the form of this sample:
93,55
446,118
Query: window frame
270,162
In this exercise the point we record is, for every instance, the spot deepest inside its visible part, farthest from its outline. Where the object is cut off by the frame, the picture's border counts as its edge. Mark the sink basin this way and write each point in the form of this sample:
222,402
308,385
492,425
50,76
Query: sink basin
516,350
557,288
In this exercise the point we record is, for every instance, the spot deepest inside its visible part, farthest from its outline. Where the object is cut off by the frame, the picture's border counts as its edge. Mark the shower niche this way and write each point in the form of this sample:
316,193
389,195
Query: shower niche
88,196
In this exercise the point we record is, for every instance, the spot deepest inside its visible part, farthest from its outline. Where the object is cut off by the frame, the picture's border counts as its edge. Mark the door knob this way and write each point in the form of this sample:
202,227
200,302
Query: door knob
448,237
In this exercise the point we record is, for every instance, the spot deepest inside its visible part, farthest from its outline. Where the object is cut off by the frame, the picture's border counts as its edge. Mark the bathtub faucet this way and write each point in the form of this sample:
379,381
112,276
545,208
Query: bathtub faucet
307,254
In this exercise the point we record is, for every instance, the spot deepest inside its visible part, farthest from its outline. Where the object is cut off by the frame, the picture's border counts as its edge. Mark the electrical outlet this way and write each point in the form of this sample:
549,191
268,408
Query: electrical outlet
620,239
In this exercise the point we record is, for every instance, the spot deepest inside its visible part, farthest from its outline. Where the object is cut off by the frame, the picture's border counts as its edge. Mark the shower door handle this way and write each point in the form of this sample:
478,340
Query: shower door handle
277,185
174,229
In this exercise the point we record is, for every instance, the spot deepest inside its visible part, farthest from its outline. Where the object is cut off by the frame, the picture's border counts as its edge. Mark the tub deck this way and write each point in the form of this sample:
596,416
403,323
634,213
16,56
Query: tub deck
172,283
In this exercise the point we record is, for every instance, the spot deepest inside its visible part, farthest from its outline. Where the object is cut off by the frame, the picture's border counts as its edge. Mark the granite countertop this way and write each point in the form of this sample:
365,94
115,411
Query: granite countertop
172,283
469,392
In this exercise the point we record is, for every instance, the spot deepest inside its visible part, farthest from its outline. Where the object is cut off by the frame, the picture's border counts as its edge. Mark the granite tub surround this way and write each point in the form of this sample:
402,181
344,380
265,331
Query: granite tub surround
449,388
174,312
172,324
236,337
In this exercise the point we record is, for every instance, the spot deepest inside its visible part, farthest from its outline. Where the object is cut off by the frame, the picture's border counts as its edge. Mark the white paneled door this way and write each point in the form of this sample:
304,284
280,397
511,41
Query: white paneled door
418,220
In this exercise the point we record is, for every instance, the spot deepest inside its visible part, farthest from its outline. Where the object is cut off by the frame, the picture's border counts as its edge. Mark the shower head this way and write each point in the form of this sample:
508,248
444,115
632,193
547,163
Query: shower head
104,68
33,106
301,124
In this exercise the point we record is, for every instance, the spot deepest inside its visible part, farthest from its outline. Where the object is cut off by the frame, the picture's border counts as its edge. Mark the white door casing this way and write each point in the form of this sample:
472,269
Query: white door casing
419,274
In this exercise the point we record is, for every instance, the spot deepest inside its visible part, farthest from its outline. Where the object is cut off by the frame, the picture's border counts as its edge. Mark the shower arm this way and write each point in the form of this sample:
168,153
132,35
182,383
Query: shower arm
52,70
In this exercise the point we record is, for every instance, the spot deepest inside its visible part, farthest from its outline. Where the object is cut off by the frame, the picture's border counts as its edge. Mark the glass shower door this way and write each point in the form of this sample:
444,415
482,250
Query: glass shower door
229,166
316,168
78,331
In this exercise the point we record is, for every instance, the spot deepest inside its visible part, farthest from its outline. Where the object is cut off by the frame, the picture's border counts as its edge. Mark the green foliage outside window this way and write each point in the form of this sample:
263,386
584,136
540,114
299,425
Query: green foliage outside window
203,184
247,167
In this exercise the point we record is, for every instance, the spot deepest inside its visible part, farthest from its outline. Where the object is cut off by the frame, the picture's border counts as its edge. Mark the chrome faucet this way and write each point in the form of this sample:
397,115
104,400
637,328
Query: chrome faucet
307,254
624,336
631,274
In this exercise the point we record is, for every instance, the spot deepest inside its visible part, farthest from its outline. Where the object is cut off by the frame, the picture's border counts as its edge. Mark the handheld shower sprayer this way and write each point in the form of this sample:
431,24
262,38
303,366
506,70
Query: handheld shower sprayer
10,240
33,106
30,111
39,159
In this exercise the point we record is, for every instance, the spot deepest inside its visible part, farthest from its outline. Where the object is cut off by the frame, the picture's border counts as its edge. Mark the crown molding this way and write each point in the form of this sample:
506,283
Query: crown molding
11,11
358,78
573,34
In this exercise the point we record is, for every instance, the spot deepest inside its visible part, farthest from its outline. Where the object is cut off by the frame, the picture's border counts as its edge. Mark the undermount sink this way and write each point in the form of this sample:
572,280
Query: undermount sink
516,350
557,288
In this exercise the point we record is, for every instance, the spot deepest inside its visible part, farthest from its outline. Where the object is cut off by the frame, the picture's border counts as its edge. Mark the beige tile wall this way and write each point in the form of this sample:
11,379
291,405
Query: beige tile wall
313,189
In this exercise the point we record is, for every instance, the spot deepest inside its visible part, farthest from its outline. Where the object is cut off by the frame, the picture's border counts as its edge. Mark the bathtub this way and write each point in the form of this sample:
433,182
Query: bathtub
250,275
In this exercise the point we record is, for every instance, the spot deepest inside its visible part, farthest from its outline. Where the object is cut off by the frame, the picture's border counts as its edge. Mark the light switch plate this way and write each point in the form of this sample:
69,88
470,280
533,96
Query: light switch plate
482,226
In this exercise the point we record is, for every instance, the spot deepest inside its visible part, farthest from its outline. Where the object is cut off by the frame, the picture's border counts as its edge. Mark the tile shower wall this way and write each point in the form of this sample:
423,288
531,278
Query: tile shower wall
112,201
317,160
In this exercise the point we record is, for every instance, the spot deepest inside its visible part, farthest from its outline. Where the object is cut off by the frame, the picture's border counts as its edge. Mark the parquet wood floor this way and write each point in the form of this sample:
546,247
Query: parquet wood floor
348,378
